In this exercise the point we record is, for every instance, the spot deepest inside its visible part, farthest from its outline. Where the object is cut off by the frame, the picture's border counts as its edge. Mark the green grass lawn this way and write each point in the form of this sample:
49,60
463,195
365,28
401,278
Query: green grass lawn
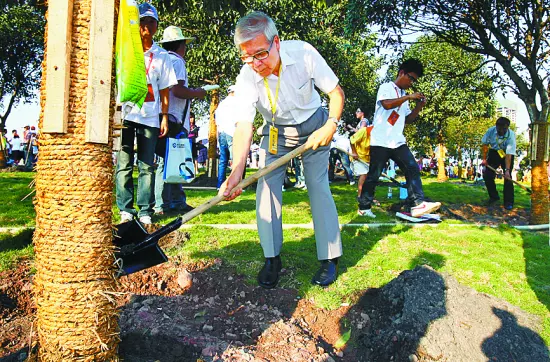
504,262
17,213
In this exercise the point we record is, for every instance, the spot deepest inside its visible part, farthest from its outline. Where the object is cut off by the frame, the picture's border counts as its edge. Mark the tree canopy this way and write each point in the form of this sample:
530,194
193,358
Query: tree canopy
512,34
456,86
22,29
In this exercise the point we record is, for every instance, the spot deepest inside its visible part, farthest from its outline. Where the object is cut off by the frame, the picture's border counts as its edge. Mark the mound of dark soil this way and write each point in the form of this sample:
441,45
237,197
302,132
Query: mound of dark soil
192,312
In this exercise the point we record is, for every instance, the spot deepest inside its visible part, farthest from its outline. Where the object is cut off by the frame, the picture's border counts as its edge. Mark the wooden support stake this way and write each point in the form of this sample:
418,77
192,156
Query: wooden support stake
58,66
100,55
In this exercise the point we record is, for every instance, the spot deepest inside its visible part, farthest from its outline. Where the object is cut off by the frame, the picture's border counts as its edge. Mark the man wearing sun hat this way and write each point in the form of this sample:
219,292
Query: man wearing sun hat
144,124
171,196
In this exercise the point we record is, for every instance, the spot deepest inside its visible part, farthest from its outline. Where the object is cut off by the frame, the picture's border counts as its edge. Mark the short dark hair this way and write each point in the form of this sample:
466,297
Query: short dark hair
503,121
172,46
412,66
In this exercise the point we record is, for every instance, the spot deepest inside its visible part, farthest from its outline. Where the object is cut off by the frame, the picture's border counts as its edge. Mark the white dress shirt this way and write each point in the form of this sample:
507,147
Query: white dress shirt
302,69
225,116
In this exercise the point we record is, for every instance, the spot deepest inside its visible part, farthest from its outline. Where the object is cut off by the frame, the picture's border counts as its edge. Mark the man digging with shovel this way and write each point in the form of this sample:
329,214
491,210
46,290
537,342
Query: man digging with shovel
278,80
499,148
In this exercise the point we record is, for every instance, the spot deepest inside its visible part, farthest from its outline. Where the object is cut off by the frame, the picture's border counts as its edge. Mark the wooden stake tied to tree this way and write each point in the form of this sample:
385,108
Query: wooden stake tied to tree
74,282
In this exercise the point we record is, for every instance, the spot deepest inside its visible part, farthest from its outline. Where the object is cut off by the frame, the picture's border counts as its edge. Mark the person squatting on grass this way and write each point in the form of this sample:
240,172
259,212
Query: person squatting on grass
278,80
388,142
499,148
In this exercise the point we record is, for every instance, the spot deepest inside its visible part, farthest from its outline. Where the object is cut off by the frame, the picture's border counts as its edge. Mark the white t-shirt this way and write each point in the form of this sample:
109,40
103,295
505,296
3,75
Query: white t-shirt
341,141
177,105
383,133
16,144
225,116
160,75
302,69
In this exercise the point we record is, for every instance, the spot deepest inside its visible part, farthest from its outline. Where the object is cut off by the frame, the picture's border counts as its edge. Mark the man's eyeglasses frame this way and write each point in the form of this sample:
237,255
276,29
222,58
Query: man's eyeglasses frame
261,55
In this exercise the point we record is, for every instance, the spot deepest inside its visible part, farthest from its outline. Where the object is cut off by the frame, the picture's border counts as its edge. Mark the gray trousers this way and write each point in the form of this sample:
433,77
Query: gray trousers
269,192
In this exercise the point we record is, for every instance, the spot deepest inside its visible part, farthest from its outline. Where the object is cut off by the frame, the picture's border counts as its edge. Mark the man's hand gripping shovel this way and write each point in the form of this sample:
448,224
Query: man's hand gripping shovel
138,250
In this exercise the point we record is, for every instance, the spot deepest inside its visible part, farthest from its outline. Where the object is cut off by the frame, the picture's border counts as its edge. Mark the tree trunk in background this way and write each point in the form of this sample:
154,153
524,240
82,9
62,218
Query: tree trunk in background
441,175
459,160
3,154
74,281
539,182
213,137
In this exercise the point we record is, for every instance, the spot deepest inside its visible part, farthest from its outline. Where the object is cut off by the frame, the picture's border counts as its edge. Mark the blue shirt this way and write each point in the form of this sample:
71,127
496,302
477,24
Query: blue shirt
496,142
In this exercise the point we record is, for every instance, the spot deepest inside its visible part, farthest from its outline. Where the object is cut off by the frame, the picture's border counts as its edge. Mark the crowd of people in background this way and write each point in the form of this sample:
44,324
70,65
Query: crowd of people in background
20,150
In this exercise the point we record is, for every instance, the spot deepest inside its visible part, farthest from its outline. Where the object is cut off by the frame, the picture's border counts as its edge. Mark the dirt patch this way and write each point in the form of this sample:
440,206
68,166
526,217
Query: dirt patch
483,215
16,308
486,215
204,311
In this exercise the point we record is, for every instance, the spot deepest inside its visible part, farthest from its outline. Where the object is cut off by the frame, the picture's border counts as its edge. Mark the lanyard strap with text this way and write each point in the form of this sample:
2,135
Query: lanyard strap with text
500,140
398,96
273,131
272,102
149,65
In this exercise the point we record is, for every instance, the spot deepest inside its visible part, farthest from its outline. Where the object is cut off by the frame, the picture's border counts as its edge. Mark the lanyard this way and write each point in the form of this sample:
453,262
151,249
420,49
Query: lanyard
501,140
149,65
273,103
398,96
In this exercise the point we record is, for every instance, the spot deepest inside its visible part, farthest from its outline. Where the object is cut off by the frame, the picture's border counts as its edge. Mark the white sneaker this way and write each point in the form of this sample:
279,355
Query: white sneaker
367,213
424,208
145,220
352,183
125,217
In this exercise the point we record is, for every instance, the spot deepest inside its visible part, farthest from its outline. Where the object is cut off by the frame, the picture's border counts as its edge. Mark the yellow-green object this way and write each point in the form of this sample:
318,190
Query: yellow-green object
130,66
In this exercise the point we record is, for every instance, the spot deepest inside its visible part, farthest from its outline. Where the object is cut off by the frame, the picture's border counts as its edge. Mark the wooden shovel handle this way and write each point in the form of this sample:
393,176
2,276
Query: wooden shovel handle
283,160
514,181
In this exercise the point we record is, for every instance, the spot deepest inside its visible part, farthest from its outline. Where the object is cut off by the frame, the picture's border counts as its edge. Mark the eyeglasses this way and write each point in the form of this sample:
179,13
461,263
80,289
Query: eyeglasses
261,55
411,78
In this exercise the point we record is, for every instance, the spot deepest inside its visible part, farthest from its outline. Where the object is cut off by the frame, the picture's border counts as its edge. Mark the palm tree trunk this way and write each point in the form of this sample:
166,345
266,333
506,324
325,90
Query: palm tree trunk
539,183
74,282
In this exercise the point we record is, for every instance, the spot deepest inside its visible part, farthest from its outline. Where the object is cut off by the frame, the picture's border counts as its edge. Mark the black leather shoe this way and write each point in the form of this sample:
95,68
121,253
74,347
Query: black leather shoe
327,273
269,275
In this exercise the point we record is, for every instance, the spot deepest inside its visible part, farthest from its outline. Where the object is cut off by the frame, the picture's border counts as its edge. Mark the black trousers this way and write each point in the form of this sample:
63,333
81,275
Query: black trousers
406,162
494,160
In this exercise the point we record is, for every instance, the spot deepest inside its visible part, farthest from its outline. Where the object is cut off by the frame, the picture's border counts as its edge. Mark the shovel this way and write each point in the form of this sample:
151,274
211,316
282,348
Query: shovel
140,250
514,181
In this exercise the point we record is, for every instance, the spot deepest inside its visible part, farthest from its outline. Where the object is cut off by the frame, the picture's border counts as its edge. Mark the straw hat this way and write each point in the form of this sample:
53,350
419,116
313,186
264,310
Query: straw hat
173,33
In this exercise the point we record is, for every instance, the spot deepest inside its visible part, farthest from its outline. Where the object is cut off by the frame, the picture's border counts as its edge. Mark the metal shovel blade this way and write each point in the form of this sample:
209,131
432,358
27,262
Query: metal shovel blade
138,249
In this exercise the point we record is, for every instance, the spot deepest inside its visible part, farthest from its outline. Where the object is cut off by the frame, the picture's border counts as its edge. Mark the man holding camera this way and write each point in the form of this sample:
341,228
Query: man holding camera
388,142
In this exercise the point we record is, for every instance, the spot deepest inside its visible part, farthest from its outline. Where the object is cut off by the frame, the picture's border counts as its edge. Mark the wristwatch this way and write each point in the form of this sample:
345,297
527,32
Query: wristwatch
335,120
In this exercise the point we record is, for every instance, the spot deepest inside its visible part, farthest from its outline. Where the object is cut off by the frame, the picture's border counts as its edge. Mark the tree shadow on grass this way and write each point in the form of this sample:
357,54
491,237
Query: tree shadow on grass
15,246
536,253
16,241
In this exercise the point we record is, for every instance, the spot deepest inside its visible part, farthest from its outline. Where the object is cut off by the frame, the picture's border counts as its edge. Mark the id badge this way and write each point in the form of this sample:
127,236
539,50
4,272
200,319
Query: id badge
501,153
273,137
392,119
150,97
